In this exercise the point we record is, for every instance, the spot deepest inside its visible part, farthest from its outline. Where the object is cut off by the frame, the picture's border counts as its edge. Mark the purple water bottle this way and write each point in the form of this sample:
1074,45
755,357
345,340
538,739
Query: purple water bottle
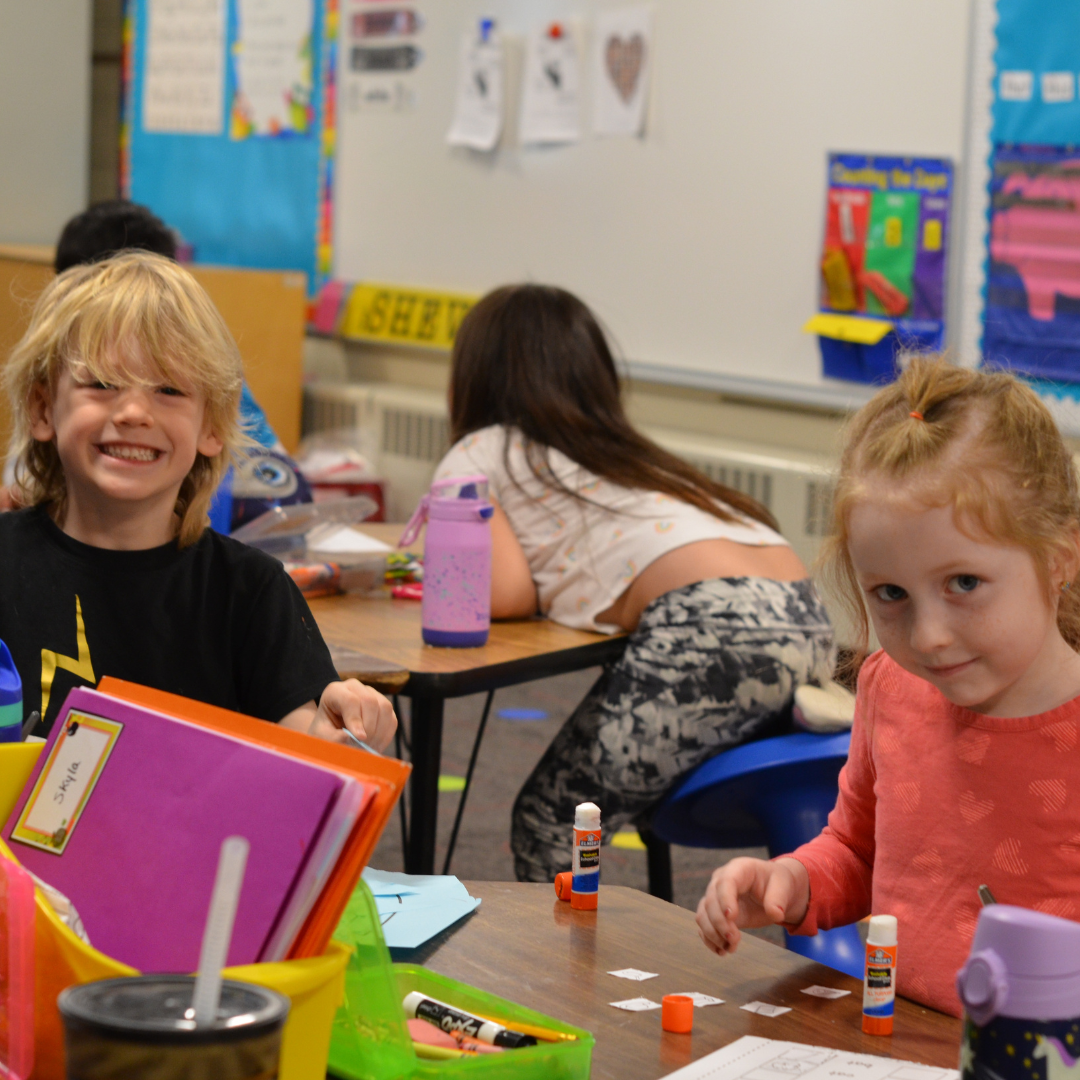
456,608
1021,993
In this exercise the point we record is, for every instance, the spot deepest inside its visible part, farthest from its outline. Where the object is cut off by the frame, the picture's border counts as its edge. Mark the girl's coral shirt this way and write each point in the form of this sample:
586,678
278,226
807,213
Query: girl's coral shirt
936,800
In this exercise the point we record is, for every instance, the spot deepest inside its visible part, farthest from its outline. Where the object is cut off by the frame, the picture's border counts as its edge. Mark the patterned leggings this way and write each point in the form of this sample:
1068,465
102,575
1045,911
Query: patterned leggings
709,666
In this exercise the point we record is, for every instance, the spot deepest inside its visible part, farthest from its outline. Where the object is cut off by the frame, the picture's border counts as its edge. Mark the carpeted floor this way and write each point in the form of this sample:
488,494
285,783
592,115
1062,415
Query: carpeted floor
510,750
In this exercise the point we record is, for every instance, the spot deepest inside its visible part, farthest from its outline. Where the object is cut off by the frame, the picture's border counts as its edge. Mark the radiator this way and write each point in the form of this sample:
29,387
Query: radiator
411,431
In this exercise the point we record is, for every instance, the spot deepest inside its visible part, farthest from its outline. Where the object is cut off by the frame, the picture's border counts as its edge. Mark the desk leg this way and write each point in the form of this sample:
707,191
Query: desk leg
426,723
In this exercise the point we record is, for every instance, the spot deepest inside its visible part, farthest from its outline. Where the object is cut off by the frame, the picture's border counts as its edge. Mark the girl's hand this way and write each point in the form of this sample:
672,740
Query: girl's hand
363,710
751,893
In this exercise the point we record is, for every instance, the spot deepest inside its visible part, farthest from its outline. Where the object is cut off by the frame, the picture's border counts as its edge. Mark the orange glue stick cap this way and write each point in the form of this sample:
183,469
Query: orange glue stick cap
677,1013
563,883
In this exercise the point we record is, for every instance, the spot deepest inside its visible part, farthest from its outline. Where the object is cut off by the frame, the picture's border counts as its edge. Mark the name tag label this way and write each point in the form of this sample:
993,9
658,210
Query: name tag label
66,782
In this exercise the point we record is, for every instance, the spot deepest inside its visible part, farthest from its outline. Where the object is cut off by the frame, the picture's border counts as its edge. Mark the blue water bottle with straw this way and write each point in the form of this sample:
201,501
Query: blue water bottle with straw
11,712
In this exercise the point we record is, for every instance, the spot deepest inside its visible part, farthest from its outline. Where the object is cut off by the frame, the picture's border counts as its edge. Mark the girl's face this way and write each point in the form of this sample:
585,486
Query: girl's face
969,616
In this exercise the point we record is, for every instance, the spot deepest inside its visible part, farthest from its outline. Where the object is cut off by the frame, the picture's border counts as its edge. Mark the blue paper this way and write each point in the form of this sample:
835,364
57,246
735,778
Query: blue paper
413,908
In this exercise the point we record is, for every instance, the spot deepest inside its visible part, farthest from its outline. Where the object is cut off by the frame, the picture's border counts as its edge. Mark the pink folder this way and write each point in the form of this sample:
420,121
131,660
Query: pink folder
139,861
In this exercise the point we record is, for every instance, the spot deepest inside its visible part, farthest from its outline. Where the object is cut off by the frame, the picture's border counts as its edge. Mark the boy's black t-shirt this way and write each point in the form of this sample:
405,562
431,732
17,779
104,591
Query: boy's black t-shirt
216,621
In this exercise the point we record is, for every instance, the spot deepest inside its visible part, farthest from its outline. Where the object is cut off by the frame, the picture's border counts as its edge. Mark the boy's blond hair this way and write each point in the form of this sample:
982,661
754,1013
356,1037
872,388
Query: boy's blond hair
980,441
94,315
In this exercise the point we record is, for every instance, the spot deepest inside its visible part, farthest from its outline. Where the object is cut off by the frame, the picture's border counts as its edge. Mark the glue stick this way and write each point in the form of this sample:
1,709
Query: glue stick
585,885
879,984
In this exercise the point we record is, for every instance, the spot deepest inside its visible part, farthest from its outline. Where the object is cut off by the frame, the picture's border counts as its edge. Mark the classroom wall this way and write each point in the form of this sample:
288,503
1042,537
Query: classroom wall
654,404
44,116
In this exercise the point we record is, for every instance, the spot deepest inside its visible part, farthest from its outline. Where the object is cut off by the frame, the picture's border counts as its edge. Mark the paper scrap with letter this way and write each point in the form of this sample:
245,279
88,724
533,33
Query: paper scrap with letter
478,113
638,1004
754,1058
829,992
551,98
622,57
184,85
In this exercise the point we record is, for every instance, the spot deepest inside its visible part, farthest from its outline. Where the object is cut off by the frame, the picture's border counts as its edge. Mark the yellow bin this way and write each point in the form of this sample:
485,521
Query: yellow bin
315,987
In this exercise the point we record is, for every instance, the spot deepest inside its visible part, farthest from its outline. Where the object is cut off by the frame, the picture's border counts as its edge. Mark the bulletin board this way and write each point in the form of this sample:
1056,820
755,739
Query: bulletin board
697,244
246,183
1023,243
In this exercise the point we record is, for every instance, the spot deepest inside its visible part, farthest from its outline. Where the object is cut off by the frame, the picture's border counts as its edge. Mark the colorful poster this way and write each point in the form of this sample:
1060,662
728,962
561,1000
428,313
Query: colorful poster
886,238
273,63
1032,315
1031,308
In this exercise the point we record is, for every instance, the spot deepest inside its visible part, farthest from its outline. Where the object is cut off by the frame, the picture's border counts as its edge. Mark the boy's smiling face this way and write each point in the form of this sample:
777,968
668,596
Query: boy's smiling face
125,450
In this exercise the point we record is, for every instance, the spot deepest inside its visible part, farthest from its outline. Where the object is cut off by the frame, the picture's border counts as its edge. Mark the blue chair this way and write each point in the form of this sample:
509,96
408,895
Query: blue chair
775,793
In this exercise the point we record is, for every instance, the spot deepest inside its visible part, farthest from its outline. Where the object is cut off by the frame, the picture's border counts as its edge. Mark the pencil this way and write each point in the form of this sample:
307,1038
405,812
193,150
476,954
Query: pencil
439,1053
543,1034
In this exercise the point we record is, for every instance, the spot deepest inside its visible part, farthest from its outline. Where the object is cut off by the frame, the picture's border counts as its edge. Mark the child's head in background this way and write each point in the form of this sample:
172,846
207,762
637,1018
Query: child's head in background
125,387
957,526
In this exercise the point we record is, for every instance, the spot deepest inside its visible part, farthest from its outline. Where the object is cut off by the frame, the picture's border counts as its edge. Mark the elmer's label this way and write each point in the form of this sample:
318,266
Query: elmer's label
879,988
586,865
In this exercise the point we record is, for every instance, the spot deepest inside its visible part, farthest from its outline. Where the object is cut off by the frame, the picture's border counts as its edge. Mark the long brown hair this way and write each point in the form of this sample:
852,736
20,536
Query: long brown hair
980,441
533,357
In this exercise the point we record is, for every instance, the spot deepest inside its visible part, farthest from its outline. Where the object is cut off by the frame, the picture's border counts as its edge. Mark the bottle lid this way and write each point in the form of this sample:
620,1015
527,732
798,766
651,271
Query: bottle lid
587,816
882,931
677,1013
1023,964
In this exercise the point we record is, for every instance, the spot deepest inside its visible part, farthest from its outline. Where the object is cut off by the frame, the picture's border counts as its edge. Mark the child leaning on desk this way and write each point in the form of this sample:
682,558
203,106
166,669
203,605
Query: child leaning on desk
124,391
599,528
957,524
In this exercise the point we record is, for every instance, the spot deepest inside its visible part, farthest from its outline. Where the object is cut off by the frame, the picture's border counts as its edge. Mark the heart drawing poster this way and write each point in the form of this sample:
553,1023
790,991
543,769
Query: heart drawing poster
622,58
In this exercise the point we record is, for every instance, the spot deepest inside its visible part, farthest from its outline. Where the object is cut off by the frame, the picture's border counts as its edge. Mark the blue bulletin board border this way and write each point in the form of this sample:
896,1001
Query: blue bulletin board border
255,202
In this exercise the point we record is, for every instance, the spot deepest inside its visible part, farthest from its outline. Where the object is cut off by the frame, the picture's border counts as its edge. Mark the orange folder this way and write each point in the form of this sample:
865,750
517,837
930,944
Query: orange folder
387,774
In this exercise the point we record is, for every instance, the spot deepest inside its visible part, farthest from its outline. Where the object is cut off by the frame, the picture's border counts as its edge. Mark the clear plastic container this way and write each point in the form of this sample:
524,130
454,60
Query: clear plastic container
284,530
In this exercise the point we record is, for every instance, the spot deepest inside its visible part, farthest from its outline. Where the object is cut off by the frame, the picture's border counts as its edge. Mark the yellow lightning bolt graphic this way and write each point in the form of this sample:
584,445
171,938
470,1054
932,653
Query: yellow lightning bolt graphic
50,661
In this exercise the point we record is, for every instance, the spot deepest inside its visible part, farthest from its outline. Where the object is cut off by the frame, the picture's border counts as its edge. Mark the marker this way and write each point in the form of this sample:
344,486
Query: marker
451,1020
361,744
486,26
986,896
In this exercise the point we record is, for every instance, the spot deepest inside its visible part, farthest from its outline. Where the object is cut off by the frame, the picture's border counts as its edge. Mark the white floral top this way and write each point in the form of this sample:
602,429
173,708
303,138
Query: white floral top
583,555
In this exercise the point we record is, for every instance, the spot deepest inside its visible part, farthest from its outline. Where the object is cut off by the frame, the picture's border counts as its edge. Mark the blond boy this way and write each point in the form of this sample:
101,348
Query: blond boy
125,390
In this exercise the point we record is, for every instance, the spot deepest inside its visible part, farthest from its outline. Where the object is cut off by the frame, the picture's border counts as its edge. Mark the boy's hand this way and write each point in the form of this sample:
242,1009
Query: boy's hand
750,893
362,709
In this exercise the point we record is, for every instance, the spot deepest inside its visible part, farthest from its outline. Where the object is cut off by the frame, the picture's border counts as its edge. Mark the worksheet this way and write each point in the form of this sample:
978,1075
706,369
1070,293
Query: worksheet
754,1058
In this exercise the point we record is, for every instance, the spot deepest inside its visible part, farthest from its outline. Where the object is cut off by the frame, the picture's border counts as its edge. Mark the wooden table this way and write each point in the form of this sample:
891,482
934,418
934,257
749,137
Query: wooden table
387,633
525,945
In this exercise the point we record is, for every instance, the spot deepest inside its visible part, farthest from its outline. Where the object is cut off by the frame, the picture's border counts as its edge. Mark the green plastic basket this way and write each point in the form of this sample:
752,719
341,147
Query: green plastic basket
370,1040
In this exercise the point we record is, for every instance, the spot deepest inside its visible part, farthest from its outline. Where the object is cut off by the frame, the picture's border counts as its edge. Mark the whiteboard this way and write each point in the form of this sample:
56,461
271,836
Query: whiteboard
698,244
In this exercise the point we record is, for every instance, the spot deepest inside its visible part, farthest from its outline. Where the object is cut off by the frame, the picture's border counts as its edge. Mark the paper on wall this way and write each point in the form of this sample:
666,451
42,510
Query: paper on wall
478,111
184,83
622,56
751,1057
551,96
274,68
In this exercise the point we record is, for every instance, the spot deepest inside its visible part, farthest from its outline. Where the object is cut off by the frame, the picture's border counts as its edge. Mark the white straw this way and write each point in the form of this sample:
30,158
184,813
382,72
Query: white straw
219,928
